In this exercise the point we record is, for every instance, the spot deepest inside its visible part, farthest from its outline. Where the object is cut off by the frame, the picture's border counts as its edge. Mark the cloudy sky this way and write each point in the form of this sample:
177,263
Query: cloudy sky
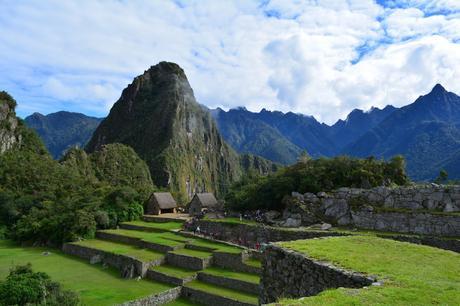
316,57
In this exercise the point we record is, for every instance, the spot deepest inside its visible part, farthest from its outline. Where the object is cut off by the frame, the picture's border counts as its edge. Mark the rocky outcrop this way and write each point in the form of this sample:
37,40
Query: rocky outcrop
158,116
423,210
9,135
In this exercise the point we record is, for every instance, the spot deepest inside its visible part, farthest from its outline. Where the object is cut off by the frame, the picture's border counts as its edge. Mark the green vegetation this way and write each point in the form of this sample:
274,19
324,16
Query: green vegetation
121,249
220,247
248,277
146,236
228,293
254,262
162,226
174,271
314,175
23,287
45,201
411,274
94,284
62,130
231,220
192,253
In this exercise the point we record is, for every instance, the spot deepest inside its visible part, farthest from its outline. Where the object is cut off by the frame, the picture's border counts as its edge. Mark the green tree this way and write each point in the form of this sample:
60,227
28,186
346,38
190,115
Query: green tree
442,177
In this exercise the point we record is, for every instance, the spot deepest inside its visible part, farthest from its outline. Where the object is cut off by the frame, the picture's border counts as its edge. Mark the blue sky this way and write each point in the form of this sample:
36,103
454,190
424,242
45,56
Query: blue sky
317,57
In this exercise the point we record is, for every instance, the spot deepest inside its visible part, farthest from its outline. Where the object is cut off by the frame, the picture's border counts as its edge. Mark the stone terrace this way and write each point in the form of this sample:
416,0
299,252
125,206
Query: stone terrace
203,271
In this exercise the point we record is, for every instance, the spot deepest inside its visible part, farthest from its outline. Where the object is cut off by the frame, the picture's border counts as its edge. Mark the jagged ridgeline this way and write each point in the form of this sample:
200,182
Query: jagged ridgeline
158,116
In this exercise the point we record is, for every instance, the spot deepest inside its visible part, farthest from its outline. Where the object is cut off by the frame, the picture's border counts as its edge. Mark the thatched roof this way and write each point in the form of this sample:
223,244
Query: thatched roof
207,199
164,199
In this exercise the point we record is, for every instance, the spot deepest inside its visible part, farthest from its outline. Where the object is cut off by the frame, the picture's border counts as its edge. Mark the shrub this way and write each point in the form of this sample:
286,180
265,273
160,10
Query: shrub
314,175
25,287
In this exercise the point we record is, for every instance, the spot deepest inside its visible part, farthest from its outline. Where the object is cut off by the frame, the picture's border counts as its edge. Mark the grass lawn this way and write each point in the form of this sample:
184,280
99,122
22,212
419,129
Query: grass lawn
192,253
411,274
121,249
95,285
146,236
174,271
222,291
253,262
232,221
165,226
248,277
221,247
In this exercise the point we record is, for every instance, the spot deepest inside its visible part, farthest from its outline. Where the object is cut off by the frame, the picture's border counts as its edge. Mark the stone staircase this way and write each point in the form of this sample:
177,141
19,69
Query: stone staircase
207,272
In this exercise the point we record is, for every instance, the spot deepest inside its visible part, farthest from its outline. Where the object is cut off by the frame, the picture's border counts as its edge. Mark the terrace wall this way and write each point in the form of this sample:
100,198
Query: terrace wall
156,299
291,274
129,267
249,235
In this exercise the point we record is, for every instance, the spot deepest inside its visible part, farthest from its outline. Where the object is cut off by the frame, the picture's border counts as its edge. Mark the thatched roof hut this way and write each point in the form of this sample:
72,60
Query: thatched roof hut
201,201
160,203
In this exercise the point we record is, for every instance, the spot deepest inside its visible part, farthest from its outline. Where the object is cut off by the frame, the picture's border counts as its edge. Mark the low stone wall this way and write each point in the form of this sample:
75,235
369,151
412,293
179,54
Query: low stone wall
291,274
408,222
156,299
204,298
135,241
446,244
234,262
249,235
188,262
161,277
128,266
236,284
148,218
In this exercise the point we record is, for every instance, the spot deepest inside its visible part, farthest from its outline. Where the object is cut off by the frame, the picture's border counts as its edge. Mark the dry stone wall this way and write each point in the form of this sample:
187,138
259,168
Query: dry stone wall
156,299
424,210
291,274
249,235
129,267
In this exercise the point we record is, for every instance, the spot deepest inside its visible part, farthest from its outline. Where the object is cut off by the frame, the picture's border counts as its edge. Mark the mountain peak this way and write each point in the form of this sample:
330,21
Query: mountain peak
438,89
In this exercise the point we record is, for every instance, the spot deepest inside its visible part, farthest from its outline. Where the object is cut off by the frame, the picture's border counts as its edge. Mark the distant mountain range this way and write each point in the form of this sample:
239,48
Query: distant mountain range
426,132
63,130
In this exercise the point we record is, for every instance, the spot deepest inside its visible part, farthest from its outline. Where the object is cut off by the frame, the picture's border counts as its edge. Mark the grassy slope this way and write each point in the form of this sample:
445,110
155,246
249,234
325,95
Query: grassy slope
121,249
412,274
221,247
192,253
167,226
146,236
248,277
174,271
95,285
229,293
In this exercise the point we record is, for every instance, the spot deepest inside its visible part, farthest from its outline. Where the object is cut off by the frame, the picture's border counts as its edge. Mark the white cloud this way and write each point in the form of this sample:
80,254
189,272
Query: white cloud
302,56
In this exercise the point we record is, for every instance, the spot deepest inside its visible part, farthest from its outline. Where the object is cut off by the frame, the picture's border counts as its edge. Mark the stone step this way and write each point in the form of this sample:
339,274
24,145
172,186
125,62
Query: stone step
189,259
212,295
130,260
229,279
171,275
133,237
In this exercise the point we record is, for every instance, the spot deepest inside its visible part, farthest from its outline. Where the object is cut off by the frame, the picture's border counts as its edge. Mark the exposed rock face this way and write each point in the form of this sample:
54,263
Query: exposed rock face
158,116
9,135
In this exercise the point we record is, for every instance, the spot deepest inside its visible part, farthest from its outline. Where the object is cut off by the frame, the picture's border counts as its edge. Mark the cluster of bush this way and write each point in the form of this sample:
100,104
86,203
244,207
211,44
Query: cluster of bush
314,175
25,287
44,201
